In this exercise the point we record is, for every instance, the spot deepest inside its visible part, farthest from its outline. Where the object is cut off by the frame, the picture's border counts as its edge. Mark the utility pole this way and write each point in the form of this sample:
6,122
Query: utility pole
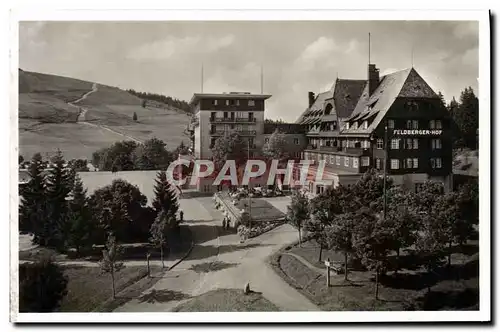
249,198
385,168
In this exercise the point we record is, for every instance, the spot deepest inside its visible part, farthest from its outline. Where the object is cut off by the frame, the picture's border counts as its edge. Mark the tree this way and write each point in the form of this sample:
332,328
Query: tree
120,208
276,147
32,208
402,216
372,242
81,224
152,154
165,196
340,234
182,149
429,246
110,262
120,155
143,103
229,147
323,208
467,117
158,232
78,165
60,182
42,286
298,211
368,191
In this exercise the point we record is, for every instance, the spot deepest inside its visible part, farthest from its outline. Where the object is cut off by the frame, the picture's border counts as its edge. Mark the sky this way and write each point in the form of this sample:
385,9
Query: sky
296,56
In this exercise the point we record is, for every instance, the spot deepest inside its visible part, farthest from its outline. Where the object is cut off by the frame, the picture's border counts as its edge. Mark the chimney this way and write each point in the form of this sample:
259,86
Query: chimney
311,98
373,78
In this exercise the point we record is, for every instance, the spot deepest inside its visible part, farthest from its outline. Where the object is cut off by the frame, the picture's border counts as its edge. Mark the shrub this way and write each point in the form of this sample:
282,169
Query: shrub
42,286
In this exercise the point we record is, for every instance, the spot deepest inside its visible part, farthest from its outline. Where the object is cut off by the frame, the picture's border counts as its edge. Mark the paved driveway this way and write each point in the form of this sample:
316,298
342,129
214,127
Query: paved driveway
220,261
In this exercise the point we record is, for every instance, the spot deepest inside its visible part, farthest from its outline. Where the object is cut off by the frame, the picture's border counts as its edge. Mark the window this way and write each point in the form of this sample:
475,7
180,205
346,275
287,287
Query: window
365,124
225,114
346,161
415,143
347,125
436,144
297,154
411,124
394,163
237,102
214,102
415,162
251,102
250,116
395,143
296,141
390,124
227,102
337,160
365,161
332,159
380,143
334,125
366,144
436,163
266,140
378,163
409,163
355,162
432,124
439,125
409,143
212,115
355,125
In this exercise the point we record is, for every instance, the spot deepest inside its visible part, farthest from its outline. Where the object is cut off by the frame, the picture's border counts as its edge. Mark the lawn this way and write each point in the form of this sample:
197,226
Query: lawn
88,288
261,209
456,288
227,300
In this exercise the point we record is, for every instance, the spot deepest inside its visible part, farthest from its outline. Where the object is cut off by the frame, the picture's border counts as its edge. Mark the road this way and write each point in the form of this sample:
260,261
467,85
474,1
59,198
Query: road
218,260
83,112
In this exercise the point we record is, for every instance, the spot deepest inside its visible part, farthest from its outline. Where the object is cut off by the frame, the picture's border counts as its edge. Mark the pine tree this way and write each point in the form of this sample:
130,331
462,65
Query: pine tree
165,197
81,225
32,210
59,185
467,117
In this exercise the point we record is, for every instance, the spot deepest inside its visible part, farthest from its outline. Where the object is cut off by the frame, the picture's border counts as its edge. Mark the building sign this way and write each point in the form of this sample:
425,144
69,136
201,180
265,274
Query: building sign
417,132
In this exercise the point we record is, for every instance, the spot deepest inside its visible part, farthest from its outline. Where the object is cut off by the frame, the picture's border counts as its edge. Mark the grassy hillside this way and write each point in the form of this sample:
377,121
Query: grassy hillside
47,122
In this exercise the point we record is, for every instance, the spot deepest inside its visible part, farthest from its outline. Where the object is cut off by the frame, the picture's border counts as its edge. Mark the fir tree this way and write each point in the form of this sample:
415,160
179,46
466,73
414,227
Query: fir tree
467,117
80,221
59,185
32,213
165,197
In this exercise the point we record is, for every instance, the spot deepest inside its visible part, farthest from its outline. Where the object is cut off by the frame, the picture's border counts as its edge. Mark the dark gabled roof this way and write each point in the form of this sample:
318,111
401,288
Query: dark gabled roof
404,83
346,95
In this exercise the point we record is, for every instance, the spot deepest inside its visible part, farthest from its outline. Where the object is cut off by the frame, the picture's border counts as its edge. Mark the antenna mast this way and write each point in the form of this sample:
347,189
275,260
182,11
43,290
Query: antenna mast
412,55
261,79
369,44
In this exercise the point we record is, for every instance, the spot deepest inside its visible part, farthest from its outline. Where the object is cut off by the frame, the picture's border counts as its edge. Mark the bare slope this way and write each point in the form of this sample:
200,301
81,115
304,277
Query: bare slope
49,117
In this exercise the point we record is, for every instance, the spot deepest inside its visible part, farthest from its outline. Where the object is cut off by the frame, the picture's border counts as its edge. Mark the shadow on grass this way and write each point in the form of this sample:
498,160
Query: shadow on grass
450,300
212,267
421,280
162,296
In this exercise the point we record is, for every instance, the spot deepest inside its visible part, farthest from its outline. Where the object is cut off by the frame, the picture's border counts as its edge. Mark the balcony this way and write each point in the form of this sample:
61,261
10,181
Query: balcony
239,132
232,120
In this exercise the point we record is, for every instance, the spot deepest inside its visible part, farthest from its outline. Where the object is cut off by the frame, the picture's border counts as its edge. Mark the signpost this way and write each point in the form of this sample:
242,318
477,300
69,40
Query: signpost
327,264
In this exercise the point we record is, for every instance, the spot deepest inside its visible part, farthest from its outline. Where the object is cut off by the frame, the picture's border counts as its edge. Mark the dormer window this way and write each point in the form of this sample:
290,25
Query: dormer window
355,125
347,125
365,124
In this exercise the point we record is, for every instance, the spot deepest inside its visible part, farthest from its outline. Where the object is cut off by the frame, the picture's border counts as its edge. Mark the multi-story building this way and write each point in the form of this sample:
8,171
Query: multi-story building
218,114
395,122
